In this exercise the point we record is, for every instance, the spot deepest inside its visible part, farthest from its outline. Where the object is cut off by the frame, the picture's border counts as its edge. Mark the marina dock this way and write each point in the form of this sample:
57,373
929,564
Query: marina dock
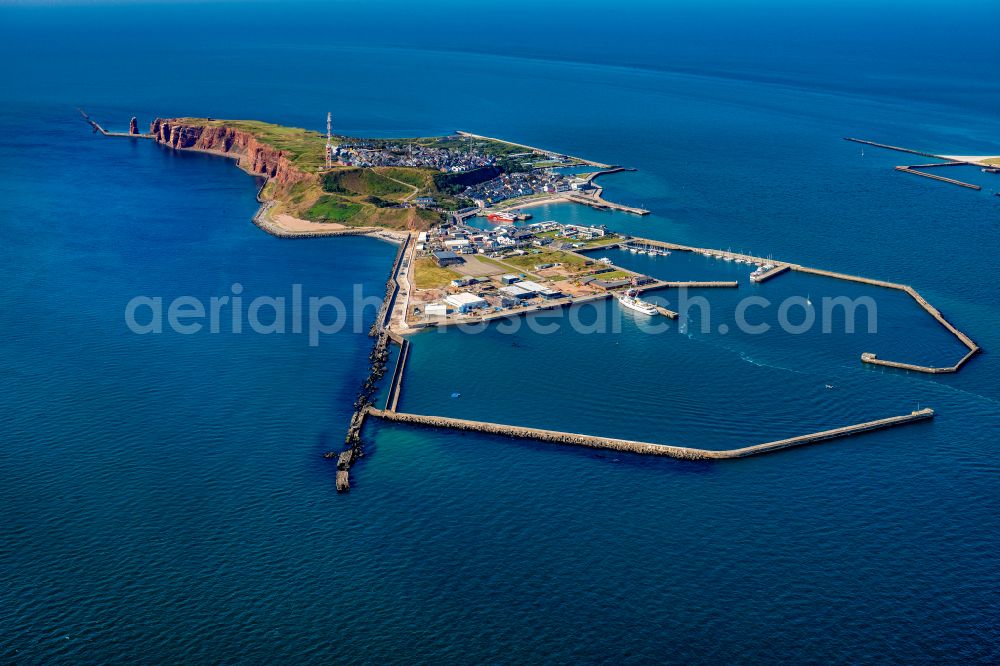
767,275
867,357
723,284
648,448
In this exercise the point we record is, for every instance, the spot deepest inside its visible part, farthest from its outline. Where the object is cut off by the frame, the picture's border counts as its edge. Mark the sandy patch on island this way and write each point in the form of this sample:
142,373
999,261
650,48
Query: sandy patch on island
289,223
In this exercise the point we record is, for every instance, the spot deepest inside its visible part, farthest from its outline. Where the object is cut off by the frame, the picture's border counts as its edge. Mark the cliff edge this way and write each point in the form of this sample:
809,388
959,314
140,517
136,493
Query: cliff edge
252,155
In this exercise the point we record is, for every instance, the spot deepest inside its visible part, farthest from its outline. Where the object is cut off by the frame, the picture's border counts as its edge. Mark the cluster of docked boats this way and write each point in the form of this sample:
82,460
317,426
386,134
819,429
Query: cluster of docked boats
762,267
648,249
729,256
759,271
630,299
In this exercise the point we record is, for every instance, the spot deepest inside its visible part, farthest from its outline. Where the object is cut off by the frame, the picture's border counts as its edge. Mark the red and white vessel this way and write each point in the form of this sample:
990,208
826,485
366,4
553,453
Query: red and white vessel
501,217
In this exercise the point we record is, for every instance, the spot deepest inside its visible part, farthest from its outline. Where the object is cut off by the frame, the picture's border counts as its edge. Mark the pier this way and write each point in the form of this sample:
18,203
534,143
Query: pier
648,448
767,275
98,128
670,314
395,384
596,201
718,284
932,176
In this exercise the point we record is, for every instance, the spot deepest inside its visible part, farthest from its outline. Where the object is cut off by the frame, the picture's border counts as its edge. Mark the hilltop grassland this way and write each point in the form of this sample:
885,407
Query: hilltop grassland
304,148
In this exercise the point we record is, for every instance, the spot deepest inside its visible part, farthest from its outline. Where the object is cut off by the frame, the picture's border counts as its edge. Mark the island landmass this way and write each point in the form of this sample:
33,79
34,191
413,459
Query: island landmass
419,192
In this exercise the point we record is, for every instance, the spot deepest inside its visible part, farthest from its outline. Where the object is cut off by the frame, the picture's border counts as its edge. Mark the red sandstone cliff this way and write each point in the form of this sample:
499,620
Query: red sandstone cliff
253,156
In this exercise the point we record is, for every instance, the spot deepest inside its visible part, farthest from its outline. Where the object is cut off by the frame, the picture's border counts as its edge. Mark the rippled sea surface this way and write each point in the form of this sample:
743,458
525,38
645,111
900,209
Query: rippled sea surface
163,498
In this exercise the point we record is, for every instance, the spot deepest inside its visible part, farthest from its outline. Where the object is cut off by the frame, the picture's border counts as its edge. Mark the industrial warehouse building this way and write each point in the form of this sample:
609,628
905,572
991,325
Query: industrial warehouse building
465,302
446,258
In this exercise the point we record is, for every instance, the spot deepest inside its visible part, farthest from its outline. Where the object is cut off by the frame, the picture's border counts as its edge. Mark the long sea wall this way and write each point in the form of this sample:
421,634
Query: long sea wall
648,448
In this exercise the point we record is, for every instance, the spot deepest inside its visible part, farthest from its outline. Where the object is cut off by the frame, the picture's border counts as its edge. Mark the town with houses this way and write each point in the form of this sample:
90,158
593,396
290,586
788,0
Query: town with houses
524,184
380,152
494,177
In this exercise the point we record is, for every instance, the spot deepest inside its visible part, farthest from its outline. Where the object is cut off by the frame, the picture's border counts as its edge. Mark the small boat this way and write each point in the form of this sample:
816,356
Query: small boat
456,395
991,169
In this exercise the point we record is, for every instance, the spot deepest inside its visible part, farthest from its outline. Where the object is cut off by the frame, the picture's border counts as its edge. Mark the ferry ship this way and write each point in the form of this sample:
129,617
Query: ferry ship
630,299
505,218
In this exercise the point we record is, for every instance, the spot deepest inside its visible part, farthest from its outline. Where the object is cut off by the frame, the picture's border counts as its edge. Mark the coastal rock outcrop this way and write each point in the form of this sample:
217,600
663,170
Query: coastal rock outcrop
133,126
253,156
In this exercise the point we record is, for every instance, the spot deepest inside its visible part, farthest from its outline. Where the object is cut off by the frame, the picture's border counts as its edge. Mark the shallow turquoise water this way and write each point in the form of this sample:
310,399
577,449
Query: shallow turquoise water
164,497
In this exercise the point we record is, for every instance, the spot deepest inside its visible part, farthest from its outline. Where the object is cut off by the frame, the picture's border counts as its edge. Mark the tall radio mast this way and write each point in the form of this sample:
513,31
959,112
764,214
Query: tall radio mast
329,140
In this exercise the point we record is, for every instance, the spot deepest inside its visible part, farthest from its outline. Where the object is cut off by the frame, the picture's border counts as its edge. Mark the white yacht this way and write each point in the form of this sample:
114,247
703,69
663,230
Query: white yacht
630,299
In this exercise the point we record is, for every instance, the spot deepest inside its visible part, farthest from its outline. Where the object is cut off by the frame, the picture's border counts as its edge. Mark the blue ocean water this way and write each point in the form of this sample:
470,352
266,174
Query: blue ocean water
164,497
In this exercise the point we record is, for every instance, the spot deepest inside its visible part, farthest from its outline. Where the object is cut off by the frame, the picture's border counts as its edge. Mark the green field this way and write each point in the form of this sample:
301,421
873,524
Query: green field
428,275
366,182
333,209
529,261
304,148
614,275
422,179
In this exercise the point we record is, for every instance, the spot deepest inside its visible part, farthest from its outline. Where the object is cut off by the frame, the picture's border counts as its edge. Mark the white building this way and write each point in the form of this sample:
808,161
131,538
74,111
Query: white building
529,285
465,302
436,310
593,232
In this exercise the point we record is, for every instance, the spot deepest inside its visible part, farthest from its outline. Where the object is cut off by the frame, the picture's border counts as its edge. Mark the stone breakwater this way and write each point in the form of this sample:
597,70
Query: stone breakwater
647,448
379,358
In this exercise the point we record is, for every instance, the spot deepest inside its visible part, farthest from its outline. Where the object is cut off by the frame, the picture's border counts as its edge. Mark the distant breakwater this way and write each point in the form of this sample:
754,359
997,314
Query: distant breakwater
648,448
